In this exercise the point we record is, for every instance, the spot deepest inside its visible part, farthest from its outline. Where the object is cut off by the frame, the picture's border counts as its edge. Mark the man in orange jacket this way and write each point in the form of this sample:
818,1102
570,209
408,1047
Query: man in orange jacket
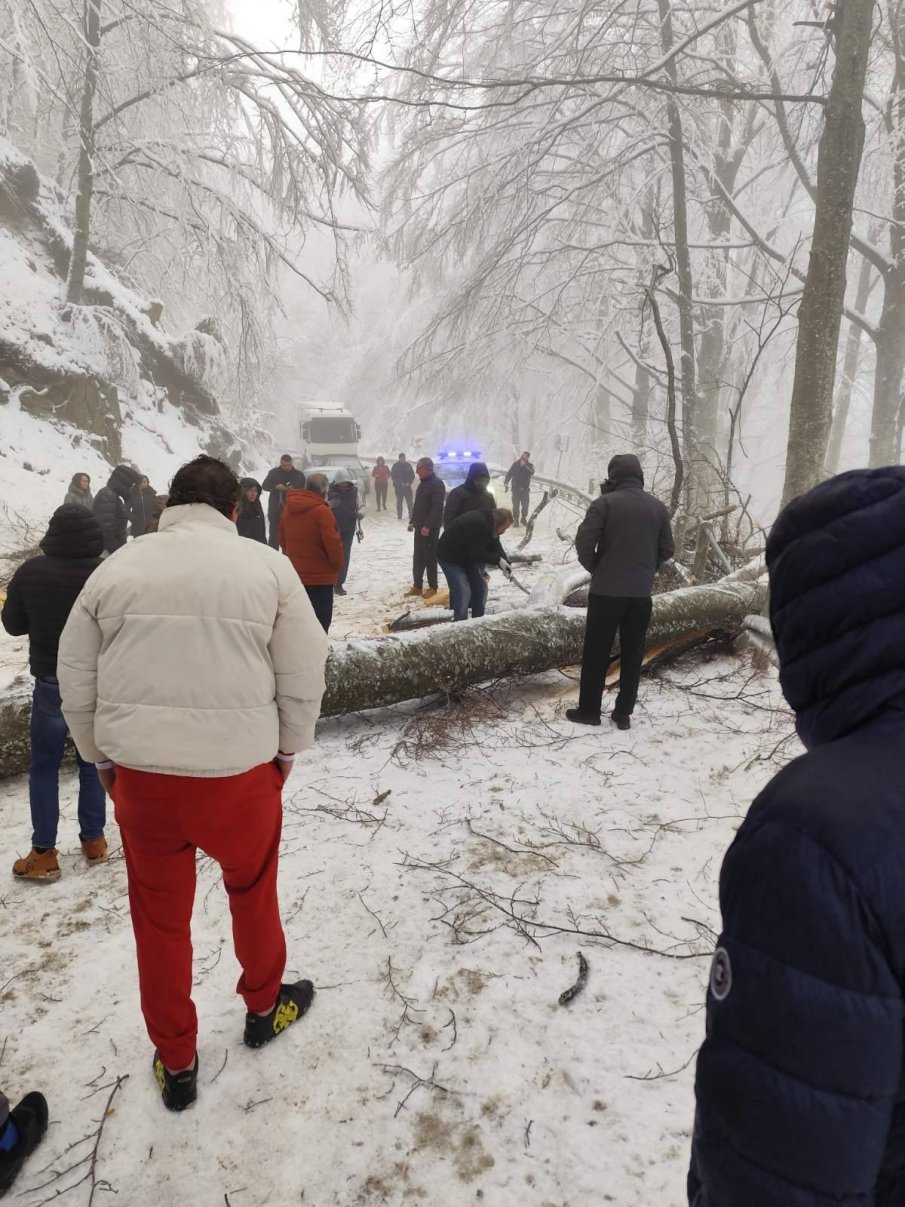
310,539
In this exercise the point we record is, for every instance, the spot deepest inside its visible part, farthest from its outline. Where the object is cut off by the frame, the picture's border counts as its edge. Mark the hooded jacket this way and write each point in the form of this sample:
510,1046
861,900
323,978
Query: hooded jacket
196,653
344,503
468,496
626,535
110,506
471,538
250,520
427,510
76,496
801,1079
43,589
310,538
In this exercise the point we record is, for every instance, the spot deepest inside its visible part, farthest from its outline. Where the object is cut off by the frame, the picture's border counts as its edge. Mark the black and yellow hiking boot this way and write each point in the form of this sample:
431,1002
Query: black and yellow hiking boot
178,1090
293,1001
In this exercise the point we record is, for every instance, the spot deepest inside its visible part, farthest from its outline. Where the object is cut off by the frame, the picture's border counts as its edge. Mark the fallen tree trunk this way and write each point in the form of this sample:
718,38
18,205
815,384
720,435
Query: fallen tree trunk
380,671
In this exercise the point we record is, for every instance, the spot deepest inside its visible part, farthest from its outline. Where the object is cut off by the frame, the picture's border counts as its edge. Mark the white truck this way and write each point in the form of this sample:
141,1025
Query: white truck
327,432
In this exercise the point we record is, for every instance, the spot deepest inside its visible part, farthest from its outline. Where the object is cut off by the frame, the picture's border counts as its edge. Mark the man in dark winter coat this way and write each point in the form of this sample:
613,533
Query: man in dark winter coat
799,1081
427,519
250,519
342,497
520,474
472,495
468,544
141,506
39,599
110,508
282,478
403,476
622,541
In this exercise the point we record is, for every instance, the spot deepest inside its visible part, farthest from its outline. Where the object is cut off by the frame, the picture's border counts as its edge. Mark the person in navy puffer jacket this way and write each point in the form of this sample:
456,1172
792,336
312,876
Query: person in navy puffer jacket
801,1080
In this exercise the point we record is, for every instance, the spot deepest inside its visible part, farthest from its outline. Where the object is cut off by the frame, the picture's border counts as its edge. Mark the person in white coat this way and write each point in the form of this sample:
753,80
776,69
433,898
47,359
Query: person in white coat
191,673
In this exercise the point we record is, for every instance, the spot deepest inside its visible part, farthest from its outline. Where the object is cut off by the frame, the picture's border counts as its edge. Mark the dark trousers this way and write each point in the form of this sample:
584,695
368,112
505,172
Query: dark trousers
273,539
163,820
48,741
424,560
521,496
403,492
347,538
322,601
380,493
607,615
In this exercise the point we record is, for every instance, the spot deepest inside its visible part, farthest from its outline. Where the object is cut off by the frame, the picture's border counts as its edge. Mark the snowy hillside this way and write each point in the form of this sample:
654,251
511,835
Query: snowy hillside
441,870
82,387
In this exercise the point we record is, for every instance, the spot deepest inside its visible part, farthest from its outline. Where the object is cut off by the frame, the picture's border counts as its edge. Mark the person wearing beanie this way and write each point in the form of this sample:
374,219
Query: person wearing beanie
799,1079
110,507
38,602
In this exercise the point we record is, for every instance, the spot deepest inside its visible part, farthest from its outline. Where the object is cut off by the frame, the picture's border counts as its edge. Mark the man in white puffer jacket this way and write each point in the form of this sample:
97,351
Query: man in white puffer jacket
191,672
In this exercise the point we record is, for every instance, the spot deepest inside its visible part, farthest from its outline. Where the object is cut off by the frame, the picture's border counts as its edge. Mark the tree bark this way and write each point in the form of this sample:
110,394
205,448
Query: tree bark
381,671
849,373
820,313
75,284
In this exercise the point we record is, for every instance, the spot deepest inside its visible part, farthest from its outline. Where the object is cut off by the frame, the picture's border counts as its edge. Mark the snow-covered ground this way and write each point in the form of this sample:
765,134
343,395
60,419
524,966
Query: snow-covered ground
441,870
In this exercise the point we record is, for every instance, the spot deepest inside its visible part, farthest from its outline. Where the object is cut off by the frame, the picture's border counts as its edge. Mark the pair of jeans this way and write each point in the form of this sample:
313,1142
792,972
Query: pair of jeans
607,615
347,538
467,589
322,601
380,494
48,743
403,493
164,820
424,559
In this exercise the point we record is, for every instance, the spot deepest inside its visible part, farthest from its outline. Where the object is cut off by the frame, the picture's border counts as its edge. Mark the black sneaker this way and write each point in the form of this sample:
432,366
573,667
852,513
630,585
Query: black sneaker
621,722
339,590
30,1121
178,1090
582,718
292,1003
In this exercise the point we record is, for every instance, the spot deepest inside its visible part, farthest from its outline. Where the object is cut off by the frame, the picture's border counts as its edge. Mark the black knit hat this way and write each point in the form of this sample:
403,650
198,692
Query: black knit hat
73,532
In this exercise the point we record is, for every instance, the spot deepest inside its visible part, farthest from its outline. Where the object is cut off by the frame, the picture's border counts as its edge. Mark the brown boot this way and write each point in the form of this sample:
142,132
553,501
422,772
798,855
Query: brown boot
414,591
94,850
38,865
430,592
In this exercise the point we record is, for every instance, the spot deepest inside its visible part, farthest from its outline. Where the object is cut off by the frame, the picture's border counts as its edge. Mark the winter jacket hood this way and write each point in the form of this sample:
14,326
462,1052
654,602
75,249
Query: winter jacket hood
344,475
122,480
162,634
841,641
476,470
73,532
623,470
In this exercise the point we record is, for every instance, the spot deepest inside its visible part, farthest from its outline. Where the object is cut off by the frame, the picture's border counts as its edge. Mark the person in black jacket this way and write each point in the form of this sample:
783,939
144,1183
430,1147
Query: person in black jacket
279,480
427,518
520,474
347,511
469,544
800,1078
472,495
141,509
38,602
622,542
110,508
403,476
250,519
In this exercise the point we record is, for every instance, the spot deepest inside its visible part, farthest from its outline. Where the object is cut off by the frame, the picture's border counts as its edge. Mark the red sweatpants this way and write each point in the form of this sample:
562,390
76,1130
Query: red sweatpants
237,821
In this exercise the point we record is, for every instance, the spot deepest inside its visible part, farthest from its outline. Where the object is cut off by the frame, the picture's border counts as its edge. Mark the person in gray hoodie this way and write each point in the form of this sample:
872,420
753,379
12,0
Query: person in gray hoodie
622,541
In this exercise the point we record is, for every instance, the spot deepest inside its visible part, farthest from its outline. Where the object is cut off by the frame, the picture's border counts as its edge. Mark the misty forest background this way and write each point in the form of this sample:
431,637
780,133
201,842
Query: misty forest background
572,227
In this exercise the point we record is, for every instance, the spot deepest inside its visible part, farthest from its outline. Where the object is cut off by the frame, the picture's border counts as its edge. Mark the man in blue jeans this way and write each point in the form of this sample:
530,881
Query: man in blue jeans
38,602
468,544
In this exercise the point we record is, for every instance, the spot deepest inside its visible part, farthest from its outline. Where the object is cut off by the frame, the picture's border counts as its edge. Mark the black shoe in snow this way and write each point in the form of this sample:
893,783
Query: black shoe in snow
339,591
178,1090
620,721
293,1001
582,718
30,1120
